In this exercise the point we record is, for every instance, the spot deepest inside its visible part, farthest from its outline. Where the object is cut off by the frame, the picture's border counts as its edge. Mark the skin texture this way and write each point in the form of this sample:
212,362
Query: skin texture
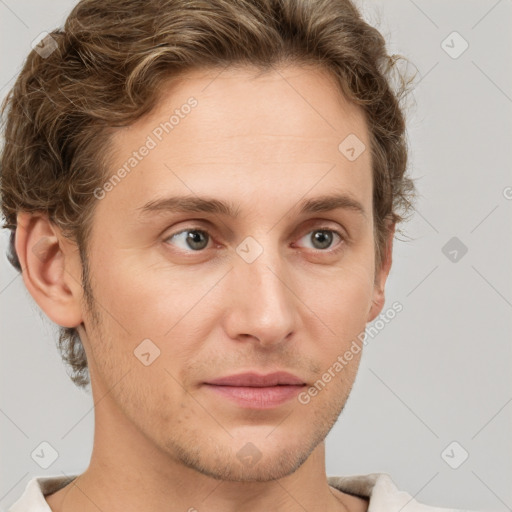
162,440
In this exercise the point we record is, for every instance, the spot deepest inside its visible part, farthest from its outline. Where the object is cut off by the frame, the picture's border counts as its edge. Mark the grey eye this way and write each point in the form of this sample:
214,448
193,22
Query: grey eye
321,238
194,239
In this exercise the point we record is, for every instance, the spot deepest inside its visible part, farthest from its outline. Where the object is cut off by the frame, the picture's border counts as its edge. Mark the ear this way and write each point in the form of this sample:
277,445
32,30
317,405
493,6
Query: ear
381,274
50,268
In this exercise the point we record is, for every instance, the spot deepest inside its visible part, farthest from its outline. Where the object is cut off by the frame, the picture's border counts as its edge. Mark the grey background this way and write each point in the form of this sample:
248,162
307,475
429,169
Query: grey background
441,370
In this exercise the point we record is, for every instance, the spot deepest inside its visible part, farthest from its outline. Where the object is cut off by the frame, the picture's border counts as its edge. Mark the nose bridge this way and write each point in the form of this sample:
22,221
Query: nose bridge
262,296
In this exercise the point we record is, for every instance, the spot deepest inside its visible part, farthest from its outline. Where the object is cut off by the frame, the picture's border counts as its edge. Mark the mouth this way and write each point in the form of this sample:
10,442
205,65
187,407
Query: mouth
254,391
257,397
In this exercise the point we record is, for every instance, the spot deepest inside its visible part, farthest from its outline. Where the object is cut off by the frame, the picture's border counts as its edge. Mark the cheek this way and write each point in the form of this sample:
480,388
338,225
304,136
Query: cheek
348,292
341,305
142,301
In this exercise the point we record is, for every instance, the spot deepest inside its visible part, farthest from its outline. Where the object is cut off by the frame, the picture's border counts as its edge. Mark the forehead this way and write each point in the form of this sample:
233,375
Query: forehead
238,131
292,101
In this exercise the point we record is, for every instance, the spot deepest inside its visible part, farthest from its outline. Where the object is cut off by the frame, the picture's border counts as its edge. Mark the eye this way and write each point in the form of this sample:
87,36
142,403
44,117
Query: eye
322,238
196,240
191,238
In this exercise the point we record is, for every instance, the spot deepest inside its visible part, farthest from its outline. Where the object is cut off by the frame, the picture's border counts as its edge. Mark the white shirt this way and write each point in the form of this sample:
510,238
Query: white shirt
378,487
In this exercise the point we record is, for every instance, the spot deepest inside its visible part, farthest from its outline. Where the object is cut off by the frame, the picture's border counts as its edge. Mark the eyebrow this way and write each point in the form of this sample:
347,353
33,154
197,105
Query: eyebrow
195,204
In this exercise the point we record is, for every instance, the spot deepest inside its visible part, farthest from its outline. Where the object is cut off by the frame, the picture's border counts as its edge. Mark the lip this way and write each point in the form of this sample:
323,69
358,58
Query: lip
253,379
254,391
256,397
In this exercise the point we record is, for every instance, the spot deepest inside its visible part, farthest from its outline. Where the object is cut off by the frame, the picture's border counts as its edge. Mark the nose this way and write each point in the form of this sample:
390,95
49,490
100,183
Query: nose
262,305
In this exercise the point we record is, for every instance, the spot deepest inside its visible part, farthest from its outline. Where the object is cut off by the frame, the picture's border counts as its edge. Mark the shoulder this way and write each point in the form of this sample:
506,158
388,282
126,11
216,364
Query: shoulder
382,493
32,498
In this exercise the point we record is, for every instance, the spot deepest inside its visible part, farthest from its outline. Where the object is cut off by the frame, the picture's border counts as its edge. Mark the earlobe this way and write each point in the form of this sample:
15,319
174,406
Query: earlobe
46,265
381,276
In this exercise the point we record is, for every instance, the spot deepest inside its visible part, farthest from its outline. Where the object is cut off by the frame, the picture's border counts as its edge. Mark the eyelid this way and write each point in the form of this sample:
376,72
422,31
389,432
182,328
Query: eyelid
331,225
318,223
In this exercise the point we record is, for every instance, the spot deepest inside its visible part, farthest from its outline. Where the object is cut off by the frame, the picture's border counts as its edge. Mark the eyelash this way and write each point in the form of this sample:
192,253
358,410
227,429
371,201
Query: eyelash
339,247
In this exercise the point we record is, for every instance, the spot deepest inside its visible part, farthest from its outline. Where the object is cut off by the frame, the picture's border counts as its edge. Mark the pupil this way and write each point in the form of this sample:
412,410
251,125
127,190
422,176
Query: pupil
324,237
194,237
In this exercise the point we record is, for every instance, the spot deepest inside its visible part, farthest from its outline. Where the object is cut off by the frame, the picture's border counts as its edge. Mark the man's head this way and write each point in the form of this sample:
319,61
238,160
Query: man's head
268,107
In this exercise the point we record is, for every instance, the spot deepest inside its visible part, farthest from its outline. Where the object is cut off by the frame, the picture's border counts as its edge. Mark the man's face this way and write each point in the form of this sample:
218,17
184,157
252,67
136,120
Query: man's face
270,289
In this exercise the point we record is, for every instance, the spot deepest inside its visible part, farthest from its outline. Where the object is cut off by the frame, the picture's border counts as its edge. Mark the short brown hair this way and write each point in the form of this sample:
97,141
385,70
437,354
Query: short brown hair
108,62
